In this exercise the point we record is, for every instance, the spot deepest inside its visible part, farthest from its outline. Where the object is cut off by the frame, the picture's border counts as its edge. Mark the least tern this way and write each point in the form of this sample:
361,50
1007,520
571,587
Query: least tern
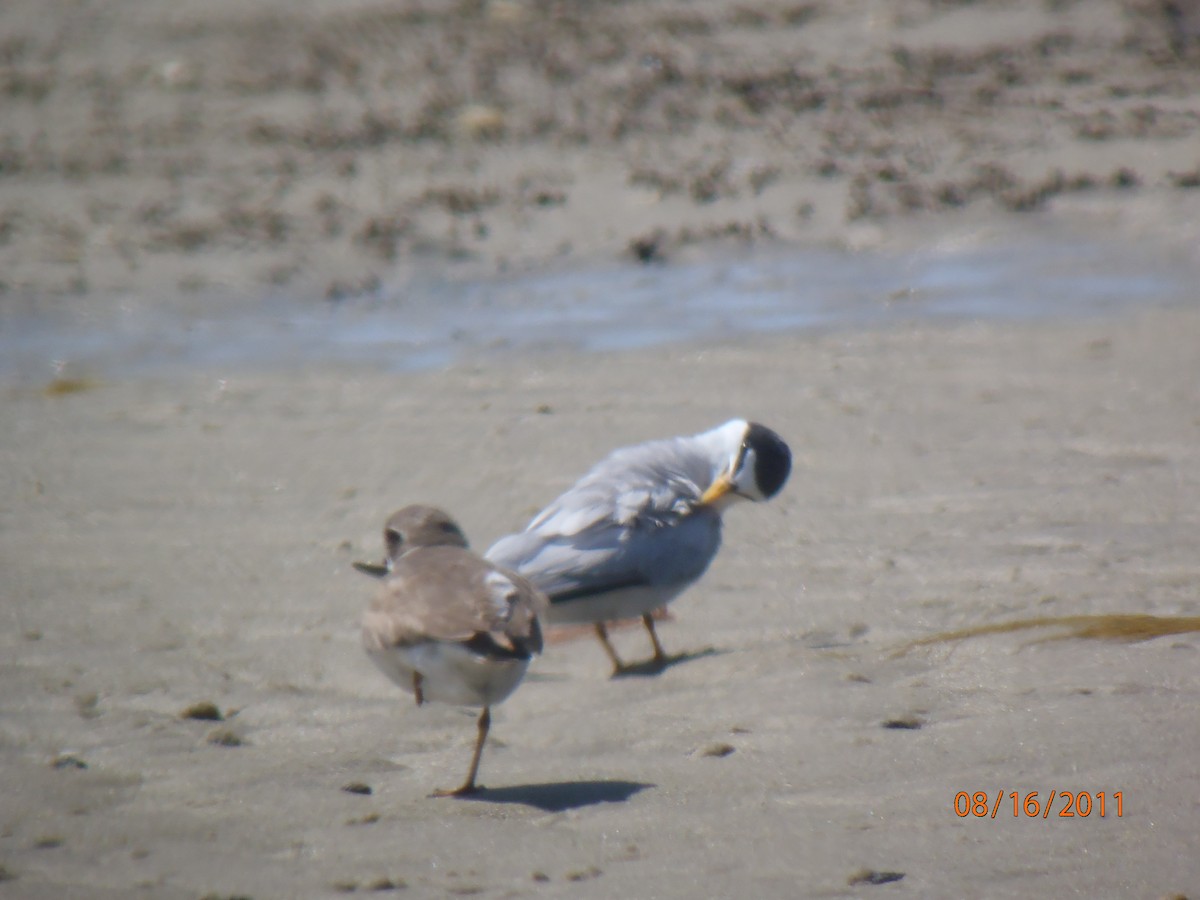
448,625
642,526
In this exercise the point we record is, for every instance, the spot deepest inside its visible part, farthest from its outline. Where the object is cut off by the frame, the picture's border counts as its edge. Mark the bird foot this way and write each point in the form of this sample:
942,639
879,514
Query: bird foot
657,665
465,791
649,667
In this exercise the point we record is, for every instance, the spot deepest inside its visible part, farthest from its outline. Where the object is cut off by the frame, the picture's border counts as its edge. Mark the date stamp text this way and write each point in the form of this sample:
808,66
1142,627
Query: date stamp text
1037,805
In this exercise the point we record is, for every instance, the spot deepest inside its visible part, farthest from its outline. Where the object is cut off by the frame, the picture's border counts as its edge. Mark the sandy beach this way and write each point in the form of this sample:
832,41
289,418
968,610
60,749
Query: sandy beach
950,597
172,542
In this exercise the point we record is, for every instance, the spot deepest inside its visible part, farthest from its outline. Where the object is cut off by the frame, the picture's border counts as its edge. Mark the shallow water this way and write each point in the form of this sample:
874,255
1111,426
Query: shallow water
437,321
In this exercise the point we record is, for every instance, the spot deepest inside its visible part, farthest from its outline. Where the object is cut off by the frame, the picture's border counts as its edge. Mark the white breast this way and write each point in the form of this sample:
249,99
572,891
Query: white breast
450,673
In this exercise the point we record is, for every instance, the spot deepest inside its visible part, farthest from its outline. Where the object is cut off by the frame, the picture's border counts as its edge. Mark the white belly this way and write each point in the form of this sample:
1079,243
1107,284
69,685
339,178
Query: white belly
630,603
450,673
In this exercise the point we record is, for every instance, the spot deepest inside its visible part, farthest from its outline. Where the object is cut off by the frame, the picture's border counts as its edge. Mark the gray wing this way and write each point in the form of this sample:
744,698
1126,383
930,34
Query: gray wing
659,481
608,556
631,521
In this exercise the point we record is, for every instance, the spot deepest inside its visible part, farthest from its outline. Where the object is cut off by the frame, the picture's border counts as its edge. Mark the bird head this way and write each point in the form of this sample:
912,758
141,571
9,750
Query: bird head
412,527
420,526
755,467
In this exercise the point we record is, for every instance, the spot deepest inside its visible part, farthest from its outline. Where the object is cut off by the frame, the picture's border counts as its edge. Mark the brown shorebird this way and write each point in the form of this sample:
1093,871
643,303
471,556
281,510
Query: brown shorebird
448,625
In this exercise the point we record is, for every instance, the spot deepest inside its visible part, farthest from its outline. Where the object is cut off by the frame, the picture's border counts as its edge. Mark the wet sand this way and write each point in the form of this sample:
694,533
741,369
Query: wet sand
173,541
169,153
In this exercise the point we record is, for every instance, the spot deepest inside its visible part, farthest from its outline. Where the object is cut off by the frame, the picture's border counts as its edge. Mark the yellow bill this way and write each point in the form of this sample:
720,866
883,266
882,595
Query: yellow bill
719,489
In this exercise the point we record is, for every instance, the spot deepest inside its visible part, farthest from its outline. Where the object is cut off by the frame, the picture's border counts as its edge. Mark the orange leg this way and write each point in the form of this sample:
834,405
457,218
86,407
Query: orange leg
602,634
468,786
659,656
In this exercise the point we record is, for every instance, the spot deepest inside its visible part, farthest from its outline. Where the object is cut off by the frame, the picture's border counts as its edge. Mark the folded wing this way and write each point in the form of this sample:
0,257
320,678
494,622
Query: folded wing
449,594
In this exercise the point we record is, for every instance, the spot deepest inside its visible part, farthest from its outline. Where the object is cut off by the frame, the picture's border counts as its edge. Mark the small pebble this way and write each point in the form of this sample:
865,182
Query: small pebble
86,705
225,737
648,248
357,787
904,723
60,387
478,121
387,884
871,876
584,874
205,711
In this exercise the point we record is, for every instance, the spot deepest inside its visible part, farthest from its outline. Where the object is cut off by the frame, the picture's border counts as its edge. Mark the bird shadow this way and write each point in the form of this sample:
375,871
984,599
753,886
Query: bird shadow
561,795
652,667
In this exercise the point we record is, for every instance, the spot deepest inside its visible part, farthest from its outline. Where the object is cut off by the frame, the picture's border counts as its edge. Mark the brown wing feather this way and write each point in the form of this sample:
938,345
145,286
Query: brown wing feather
450,594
